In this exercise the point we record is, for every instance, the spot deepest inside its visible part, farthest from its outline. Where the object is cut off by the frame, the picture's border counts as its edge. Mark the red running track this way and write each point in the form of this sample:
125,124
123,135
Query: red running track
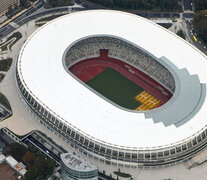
89,68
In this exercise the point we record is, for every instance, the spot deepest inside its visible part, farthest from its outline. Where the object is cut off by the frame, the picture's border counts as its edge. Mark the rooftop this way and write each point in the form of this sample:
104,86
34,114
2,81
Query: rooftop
76,163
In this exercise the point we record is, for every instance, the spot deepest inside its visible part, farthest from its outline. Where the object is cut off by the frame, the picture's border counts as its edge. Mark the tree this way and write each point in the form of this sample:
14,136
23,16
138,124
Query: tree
16,150
29,159
10,11
56,3
40,169
163,5
16,7
181,33
200,24
200,4
24,4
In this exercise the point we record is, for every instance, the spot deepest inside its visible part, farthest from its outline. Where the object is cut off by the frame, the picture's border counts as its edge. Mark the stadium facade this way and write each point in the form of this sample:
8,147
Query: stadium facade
94,125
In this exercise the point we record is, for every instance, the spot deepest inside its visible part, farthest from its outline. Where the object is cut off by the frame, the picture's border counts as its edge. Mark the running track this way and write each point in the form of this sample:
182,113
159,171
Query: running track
89,68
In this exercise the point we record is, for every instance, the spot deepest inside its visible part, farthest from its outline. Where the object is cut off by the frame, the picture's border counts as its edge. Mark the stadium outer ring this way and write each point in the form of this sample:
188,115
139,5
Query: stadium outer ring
108,152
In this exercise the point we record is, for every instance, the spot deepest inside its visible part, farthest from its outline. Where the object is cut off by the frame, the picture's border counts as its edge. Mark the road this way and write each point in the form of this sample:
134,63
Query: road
188,15
40,146
199,44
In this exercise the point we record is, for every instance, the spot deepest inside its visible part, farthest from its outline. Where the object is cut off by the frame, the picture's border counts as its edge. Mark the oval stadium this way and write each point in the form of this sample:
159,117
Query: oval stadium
117,87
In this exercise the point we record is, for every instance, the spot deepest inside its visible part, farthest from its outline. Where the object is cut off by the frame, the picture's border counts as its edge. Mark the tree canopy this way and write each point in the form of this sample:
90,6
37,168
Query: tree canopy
16,150
56,3
200,4
29,159
40,169
24,3
158,5
200,24
181,33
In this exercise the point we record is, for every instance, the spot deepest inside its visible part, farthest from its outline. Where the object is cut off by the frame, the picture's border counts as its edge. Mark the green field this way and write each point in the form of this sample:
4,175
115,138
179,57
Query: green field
116,88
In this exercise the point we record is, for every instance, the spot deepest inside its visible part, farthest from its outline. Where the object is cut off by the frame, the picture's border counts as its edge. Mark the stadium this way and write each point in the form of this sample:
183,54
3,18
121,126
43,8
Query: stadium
117,87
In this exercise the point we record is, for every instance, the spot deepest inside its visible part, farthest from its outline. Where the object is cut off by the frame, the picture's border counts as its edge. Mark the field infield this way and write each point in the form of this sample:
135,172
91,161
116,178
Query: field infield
117,88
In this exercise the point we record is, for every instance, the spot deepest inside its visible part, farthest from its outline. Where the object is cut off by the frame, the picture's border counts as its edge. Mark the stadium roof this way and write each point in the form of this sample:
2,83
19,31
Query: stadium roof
40,66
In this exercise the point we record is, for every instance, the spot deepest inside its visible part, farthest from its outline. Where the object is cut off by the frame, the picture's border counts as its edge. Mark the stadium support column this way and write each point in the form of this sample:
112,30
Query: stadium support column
70,10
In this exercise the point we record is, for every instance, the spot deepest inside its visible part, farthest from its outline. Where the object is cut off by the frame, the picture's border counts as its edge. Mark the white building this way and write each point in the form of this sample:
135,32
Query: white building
2,158
11,161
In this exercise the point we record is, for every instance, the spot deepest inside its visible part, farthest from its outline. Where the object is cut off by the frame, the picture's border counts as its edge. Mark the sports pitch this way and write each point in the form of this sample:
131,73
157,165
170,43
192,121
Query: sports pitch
117,88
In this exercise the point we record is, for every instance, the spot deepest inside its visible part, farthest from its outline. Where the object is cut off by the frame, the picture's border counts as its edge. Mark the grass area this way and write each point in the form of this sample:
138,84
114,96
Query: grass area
49,18
39,24
2,76
105,176
4,101
181,34
5,64
121,174
5,46
16,35
166,25
116,88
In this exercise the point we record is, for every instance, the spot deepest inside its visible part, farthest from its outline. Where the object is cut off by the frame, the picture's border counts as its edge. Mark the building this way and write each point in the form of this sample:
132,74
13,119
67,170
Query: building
11,161
98,127
73,167
2,158
21,168
5,5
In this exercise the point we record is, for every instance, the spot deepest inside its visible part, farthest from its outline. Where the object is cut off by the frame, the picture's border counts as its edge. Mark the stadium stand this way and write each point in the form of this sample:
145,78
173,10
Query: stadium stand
119,49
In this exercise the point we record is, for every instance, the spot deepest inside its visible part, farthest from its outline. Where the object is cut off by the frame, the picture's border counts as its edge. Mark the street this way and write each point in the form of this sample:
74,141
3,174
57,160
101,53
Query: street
199,44
40,146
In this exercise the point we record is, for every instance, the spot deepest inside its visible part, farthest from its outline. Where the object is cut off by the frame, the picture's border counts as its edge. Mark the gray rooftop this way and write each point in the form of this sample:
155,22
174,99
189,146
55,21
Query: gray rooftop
187,99
76,163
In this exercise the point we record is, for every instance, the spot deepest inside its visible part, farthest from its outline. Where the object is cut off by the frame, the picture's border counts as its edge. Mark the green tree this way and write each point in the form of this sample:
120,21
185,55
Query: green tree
200,4
10,12
29,158
181,33
16,150
24,4
200,24
163,5
56,3
41,169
